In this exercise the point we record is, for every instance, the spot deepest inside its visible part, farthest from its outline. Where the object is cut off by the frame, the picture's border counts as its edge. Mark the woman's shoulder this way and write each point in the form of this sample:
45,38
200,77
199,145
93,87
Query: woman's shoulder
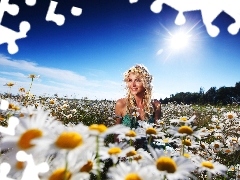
121,102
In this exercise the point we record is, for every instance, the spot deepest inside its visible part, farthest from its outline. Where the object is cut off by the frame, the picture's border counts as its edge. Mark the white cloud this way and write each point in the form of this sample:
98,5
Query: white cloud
14,74
53,80
31,67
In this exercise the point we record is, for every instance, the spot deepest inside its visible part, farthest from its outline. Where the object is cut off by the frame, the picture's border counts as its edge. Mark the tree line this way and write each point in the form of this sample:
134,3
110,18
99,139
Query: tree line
223,95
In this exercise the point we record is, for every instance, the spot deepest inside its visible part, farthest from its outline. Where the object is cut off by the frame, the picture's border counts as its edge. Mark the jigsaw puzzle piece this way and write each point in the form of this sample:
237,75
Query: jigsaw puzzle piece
12,9
4,170
30,2
31,170
9,36
51,16
12,123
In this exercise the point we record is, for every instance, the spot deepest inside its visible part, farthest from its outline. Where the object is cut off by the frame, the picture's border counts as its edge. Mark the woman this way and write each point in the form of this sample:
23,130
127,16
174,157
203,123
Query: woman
137,105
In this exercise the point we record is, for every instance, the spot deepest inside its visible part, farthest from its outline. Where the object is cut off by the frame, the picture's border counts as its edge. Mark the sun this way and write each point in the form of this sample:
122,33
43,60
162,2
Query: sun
179,40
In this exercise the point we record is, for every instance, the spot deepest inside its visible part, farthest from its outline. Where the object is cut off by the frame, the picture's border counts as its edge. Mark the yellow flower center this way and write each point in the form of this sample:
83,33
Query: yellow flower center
20,165
227,151
131,153
114,151
69,140
230,116
87,167
186,155
98,127
166,164
11,106
24,141
131,133
10,84
216,146
137,158
60,174
234,140
183,118
21,115
165,140
51,101
207,164
151,130
185,130
187,142
132,176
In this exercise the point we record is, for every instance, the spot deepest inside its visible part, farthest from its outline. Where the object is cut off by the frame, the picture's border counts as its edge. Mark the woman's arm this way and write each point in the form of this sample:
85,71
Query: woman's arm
157,110
118,114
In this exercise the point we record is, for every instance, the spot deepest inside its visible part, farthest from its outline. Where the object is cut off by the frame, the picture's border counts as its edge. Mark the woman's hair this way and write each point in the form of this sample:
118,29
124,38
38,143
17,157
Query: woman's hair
146,78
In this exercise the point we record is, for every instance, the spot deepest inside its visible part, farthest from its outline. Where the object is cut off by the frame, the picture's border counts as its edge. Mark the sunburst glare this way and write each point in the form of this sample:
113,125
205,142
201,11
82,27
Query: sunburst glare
179,40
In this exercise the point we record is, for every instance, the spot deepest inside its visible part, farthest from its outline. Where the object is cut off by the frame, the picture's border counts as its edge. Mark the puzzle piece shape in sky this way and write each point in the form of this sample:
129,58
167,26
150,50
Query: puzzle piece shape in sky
76,11
4,170
4,105
133,1
31,170
30,2
12,123
210,9
12,9
8,35
59,19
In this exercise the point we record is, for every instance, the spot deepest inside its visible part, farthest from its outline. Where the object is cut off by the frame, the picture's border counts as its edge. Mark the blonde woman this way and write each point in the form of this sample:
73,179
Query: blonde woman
138,103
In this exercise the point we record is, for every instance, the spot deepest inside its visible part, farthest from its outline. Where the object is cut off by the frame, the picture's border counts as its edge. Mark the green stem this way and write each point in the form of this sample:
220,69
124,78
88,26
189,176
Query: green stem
183,144
149,140
98,159
131,142
30,86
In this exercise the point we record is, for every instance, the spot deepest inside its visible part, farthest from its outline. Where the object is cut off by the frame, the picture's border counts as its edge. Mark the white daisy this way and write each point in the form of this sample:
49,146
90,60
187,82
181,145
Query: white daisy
184,120
102,131
115,151
172,168
230,115
129,171
71,139
39,126
211,167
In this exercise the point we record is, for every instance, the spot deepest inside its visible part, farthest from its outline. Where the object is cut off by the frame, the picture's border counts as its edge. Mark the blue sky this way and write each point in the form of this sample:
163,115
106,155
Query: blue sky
88,54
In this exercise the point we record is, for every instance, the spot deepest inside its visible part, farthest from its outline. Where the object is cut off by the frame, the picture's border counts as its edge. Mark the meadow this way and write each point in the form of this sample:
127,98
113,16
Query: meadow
70,139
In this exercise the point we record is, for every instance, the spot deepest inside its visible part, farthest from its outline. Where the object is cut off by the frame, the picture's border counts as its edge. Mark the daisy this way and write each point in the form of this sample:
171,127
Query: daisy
64,167
88,163
150,130
33,76
115,151
230,115
9,84
129,171
183,119
184,131
216,145
102,131
165,166
211,167
71,139
131,135
30,128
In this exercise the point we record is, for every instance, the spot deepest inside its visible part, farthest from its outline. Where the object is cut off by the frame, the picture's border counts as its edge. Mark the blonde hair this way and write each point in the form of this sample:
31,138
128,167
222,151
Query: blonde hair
146,78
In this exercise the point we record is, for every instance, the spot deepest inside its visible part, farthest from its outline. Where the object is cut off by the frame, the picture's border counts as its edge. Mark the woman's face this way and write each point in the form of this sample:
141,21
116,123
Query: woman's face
135,84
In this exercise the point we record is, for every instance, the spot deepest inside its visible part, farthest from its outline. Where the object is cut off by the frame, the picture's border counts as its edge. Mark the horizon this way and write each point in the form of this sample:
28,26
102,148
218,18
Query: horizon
88,54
